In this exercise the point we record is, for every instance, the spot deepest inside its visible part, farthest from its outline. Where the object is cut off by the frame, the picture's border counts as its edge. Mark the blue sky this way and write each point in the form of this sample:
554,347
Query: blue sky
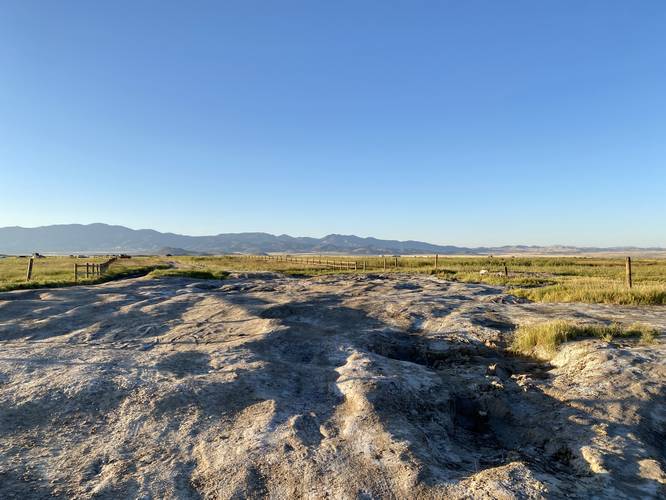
461,122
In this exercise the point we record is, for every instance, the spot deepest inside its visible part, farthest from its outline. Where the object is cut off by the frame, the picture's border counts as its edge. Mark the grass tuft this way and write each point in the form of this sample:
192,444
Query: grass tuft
543,339
646,333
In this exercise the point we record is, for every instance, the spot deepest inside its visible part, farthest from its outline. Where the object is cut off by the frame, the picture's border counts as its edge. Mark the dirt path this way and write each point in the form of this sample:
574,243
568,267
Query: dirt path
330,387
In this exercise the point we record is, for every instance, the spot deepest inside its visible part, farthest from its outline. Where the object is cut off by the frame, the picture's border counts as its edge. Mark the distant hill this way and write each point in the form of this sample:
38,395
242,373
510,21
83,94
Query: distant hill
104,238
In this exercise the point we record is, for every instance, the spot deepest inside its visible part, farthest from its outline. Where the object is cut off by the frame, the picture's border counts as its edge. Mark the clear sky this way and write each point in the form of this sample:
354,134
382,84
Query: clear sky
463,122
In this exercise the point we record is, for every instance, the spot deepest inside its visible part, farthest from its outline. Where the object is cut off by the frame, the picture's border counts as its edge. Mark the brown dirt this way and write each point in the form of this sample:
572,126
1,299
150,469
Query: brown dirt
330,387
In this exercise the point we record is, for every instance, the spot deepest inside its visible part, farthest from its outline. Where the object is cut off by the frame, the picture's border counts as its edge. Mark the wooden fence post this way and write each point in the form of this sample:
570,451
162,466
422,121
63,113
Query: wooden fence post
28,274
506,271
628,272
396,262
436,259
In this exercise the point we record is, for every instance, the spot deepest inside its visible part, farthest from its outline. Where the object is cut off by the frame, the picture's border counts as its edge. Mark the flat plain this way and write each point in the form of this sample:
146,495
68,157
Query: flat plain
543,279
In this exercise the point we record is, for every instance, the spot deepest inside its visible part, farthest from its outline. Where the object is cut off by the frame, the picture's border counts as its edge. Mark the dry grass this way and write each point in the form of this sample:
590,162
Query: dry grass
541,279
498,279
598,291
543,339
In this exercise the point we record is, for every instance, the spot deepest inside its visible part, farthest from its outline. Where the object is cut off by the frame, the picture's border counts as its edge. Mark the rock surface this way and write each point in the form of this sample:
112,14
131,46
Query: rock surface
330,387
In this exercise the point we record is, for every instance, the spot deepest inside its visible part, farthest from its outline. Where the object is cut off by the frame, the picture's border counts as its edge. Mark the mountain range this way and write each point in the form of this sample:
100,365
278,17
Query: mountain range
104,238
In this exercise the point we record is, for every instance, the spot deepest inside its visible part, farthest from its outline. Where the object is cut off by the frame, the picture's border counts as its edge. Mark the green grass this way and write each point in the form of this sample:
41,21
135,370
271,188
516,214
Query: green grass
543,339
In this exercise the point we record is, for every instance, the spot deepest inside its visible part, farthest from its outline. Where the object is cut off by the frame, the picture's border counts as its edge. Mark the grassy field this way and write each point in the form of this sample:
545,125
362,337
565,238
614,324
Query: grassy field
546,279
577,279
59,271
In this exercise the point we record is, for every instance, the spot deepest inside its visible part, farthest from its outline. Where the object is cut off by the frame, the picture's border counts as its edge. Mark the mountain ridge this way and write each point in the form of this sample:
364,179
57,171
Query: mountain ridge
106,238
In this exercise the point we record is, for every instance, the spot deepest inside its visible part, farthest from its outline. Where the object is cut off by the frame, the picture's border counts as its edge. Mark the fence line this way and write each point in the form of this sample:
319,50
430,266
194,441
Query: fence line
91,269
314,261
319,261
384,262
97,270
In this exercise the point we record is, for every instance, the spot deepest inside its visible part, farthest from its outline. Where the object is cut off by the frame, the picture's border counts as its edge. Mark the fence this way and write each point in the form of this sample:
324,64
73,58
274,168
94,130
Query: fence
384,262
313,261
378,263
91,269
349,265
97,270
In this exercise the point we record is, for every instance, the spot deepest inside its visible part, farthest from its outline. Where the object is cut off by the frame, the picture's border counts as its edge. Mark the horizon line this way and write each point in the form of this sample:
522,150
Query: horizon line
475,247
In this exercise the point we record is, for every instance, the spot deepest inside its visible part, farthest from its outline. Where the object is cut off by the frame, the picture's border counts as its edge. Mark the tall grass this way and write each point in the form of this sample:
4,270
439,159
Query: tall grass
599,291
542,339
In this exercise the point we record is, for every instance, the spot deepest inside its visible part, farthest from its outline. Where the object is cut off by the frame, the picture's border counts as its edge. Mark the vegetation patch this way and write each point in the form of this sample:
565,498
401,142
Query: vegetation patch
190,273
54,272
499,279
597,291
444,273
130,272
542,339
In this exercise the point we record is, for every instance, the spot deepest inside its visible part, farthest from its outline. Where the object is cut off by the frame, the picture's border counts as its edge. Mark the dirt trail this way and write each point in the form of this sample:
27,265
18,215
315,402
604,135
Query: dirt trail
330,387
